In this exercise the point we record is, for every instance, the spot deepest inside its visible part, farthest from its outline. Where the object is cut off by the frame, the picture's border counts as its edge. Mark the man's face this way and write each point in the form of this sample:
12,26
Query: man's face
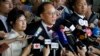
80,7
49,15
17,3
6,6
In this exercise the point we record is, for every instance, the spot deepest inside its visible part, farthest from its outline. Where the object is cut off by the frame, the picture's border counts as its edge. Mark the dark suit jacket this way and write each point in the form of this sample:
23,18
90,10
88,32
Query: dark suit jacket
92,17
2,27
74,18
31,29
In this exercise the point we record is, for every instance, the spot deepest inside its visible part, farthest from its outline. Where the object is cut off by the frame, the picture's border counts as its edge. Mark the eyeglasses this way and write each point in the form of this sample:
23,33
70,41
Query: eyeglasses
50,13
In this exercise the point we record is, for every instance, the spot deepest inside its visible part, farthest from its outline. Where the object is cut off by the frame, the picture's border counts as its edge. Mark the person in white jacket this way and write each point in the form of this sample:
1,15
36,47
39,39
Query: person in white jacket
17,20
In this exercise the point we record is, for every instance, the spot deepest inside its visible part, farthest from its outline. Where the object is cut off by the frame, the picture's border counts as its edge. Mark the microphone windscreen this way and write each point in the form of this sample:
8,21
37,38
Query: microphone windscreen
62,38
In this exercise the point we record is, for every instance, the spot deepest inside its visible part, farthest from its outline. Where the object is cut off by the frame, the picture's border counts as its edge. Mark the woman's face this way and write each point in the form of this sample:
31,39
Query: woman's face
20,23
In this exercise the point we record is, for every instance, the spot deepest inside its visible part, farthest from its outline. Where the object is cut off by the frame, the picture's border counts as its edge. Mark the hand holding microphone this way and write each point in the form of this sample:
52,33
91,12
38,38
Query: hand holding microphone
93,50
46,51
27,50
98,40
82,51
65,52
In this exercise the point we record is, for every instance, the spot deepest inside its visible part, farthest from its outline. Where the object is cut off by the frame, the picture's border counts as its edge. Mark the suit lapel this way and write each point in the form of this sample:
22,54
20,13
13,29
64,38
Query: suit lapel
8,26
2,27
44,33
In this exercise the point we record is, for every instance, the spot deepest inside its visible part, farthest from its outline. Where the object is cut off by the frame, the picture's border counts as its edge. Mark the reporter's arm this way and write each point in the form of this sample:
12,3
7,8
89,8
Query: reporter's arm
82,51
46,51
7,41
27,50
94,50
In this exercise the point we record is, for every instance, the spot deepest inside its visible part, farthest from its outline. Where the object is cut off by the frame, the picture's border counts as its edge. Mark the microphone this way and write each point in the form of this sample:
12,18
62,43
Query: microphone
96,32
67,35
79,44
69,25
37,44
55,37
62,38
39,30
65,41
88,31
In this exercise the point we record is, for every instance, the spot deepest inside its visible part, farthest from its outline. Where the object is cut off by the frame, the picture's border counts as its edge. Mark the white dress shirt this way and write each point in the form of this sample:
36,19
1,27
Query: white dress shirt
48,32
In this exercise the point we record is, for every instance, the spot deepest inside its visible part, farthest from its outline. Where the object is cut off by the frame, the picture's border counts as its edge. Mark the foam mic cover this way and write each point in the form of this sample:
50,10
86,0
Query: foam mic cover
62,38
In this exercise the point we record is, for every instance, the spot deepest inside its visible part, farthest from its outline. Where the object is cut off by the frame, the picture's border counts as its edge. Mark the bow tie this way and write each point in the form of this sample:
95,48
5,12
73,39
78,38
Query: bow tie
49,28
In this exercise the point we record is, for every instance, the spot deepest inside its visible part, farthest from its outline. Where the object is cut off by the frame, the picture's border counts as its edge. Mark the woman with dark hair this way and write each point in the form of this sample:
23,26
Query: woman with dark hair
17,21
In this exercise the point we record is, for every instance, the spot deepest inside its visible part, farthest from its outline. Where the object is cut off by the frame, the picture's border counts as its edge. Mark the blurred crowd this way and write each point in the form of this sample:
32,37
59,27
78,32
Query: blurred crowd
49,28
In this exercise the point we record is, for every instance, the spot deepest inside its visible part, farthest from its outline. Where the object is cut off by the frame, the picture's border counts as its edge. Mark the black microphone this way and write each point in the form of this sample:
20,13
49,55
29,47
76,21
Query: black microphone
70,37
65,41
68,24
91,41
79,44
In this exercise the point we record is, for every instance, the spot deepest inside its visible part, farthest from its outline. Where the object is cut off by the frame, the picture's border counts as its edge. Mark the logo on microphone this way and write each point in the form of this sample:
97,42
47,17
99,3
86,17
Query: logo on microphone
36,46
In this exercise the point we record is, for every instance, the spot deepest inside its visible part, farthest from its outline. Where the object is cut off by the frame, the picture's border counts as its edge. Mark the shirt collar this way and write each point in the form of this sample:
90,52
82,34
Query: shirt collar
45,25
3,18
82,16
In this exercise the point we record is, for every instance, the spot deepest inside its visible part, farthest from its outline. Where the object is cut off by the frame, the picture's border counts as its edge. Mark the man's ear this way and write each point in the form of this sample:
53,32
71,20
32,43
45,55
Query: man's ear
41,15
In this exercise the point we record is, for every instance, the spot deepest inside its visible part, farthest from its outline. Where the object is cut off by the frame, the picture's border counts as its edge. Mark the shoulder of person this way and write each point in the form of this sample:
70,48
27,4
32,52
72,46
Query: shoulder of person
31,28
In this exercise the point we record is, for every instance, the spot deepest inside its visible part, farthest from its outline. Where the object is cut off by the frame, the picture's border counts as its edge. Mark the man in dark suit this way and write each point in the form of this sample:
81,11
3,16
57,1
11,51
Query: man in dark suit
47,13
77,19
91,15
5,7
80,8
